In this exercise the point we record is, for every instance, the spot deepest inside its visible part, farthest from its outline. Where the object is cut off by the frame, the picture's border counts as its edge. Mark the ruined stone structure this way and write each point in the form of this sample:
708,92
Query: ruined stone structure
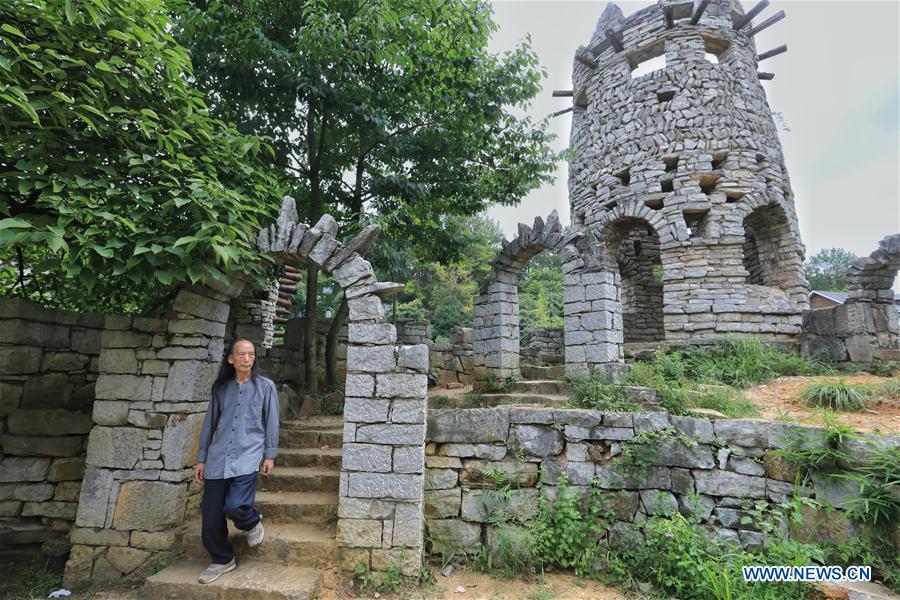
865,328
543,342
679,176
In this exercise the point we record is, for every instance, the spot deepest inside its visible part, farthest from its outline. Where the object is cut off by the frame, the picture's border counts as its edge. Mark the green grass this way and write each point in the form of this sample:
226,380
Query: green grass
838,395
37,579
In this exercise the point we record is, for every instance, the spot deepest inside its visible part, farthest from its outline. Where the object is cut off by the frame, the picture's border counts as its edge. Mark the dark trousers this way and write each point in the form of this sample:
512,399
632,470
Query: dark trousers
232,498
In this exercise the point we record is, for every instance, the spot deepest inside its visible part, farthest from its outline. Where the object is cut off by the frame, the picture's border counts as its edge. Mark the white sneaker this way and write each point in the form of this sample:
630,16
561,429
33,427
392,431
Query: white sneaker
255,536
214,571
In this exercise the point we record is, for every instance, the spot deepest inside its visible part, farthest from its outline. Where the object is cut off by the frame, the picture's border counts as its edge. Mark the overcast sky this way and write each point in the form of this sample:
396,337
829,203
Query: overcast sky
838,87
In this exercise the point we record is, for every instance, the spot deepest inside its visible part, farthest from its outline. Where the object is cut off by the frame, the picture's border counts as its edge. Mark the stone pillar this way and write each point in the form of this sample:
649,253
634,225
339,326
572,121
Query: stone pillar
496,340
152,392
382,475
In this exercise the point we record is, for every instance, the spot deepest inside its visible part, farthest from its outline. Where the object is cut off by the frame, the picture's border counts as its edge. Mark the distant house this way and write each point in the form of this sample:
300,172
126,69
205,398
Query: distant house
826,299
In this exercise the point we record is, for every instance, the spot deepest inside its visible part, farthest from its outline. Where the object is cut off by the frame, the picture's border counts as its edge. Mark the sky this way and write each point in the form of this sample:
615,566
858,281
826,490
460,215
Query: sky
837,87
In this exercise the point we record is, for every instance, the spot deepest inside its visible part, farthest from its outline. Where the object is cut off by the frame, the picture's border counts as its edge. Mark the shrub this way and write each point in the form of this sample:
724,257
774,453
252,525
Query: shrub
836,396
596,394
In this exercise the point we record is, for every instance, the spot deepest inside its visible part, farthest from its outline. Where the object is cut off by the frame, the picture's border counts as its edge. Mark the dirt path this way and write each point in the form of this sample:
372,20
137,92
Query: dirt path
779,400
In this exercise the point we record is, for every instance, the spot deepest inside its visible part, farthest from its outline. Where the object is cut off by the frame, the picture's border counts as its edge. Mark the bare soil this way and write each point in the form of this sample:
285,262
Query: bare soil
780,400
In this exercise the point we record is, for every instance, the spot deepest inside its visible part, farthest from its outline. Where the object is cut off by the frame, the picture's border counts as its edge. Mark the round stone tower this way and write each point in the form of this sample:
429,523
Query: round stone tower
679,176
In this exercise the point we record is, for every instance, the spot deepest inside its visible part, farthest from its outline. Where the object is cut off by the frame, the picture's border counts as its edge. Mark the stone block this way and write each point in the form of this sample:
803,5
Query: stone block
408,411
682,482
52,510
111,412
440,479
31,492
377,485
67,491
181,440
42,445
51,390
371,333
648,421
482,506
726,483
9,398
452,536
537,440
739,432
409,459
94,536
159,540
359,386
10,508
197,327
673,453
400,434
359,533
575,473
475,473
414,357
45,335
650,478
366,308
367,457
366,410
125,339
365,508
123,387
834,491
861,348
126,560
20,360
118,360
699,430
149,505
478,425
401,385
66,469
371,359
407,560
699,507
48,422
15,469
484,451
659,502
96,490
443,504
65,361
115,447
190,380
191,303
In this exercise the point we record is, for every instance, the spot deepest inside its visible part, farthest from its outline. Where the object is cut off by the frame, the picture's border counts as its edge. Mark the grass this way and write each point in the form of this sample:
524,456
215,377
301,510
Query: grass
837,395
36,579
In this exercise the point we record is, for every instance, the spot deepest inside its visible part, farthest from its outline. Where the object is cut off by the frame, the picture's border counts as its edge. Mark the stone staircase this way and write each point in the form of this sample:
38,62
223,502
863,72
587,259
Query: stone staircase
549,392
299,507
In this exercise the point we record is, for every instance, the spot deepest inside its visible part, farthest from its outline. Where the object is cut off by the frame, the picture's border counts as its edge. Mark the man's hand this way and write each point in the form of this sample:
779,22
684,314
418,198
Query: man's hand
268,466
199,471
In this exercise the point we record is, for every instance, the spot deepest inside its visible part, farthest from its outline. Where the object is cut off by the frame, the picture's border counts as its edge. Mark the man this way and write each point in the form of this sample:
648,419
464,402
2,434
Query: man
240,431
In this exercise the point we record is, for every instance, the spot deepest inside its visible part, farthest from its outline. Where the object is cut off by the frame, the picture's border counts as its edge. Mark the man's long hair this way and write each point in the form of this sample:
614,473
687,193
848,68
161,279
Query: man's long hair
227,371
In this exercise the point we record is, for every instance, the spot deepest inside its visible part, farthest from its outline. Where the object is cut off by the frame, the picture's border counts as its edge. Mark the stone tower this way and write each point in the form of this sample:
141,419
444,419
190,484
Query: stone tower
679,176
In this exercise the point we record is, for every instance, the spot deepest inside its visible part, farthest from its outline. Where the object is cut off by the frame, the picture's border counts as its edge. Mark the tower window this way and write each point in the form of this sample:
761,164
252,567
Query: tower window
697,222
624,176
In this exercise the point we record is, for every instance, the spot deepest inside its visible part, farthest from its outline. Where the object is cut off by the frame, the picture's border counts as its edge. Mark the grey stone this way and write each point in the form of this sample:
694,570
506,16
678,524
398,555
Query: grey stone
440,479
372,333
359,533
66,469
696,506
9,398
377,485
443,504
180,441
366,308
51,390
111,412
366,457
741,433
115,447
48,422
835,491
576,473
408,411
352,271
537,440
366,410
96,489
746,466
149,505
414,357
365,508
65,361
484,451
651,420
725,483
451,536
370,359
47,335
42,445
649,478
478,425
15,469
53,510
410,459
674,453
401,434
659,502
189,380
122,387
401,385
118,360
19,360
700,430
682,482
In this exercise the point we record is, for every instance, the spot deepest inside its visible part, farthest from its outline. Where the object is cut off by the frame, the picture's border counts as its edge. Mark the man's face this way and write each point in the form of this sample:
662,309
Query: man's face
242,356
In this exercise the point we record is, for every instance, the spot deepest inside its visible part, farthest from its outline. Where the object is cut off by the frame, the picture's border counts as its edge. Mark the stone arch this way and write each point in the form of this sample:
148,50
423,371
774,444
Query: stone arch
385,398
771,252
495,310
871,278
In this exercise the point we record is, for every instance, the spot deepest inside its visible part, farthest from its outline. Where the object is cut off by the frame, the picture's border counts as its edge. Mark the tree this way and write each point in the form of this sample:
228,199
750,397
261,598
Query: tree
379,109
827,269
117,185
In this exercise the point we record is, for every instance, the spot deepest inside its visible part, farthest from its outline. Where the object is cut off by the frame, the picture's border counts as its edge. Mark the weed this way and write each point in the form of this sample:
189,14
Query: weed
835,396
494,385
821,453
596,394
884,369
722,399
38,579
440,401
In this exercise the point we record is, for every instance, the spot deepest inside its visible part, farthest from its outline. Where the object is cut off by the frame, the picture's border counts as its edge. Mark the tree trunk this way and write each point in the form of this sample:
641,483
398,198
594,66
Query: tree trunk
315,150
331,343
310,357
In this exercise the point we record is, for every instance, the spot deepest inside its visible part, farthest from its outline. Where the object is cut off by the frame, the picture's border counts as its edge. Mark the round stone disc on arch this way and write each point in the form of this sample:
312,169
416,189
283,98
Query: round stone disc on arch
385,398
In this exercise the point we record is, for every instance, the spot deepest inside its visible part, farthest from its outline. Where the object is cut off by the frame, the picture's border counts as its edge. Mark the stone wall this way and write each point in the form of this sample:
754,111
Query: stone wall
48,369
151,396
865,328
705,468
413,331
690,154
452,364
543,342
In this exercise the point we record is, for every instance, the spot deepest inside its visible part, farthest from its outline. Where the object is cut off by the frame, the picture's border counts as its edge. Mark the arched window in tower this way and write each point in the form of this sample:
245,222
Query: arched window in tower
766,235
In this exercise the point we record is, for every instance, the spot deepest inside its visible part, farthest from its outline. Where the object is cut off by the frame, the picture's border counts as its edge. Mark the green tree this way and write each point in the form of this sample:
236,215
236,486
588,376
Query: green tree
117,185
541,292
387,110
827,269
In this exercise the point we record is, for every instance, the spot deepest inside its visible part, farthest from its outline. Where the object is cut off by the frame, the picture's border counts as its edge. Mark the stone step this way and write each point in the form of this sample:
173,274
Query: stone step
504,399
543,373
298,507
300,479
250,581
545,359
284,544
329,458
317,422
546,386
311,438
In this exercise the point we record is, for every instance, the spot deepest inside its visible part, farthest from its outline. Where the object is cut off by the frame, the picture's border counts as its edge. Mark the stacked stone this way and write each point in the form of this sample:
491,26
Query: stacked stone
413,331
865,328
543,342
453,363
259,324
151,396
725,466
380,496
48,368
689,153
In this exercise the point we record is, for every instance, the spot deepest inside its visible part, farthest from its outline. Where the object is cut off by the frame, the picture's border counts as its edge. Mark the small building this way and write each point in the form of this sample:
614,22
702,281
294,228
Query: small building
826,299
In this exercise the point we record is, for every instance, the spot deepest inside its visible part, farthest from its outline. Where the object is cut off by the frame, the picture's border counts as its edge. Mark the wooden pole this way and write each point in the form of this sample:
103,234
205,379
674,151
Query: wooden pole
699,12
749,16
767,23
766,76
586,59
614,40
773,52
562,112
563,93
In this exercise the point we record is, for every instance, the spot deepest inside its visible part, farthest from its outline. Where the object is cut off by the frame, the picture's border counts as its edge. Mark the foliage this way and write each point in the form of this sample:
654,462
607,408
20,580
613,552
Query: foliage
884,369
117,184
835,396
541,292
493,385
642,450
35,579
827,269
820,451
597,394
722,399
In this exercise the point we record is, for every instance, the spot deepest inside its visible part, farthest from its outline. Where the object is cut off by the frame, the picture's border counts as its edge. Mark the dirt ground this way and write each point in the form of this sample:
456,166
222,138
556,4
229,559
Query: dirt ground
779,400
464,584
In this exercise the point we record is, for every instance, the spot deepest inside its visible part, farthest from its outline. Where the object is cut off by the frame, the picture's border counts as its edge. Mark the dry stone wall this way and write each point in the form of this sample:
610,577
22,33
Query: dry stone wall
865,328
689,154
452,365
709,469
49,360
151,396
543,342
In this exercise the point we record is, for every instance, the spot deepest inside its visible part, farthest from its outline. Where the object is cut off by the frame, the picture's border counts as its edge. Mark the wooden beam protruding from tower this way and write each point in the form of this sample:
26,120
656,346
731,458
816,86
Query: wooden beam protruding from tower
563,93
585,57
749,16
766,76
767,23
614,40
699,12
773,52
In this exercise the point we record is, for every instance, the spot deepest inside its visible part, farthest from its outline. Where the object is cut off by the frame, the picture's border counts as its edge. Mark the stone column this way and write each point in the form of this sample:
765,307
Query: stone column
382,474
151,395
